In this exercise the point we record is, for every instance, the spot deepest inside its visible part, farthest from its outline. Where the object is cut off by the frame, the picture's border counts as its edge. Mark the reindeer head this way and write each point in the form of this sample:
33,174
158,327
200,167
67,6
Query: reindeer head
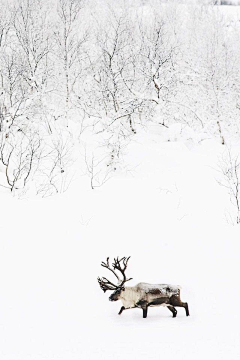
105,284
116,294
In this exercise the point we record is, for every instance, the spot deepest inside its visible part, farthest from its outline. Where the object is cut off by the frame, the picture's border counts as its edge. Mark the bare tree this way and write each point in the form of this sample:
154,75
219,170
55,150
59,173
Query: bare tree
230,178
112,73
20,156
33,40
157,60
70,38
207,97
97,169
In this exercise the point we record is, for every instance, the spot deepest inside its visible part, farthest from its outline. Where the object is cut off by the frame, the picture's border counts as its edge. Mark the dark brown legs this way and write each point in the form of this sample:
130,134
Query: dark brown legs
175,301
173,310
121,310
185,305
145,309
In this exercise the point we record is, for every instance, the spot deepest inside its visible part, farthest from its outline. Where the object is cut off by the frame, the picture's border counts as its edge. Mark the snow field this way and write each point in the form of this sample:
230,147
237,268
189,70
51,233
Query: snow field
168,212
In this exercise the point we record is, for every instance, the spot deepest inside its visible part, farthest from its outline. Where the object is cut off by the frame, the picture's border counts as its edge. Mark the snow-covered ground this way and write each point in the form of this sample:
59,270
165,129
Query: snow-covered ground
167,211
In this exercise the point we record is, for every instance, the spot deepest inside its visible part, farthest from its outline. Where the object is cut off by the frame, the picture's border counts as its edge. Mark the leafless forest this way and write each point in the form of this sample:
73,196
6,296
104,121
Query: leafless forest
71,69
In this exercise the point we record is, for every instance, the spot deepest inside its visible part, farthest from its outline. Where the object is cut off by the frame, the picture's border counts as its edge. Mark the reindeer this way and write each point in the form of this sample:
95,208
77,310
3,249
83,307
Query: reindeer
142,295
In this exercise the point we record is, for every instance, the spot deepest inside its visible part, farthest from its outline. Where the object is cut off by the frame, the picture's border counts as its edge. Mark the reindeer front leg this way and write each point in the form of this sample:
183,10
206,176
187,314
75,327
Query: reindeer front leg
121,310
145,309
143,305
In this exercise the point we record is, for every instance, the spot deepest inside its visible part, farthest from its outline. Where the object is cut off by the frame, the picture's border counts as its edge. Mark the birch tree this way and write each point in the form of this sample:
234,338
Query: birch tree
70,38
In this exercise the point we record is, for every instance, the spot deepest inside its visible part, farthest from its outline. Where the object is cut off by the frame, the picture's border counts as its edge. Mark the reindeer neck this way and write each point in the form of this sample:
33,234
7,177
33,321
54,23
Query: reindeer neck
129,297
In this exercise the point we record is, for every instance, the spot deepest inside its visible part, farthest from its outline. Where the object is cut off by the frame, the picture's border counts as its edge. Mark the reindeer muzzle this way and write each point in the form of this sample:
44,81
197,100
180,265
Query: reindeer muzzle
112,298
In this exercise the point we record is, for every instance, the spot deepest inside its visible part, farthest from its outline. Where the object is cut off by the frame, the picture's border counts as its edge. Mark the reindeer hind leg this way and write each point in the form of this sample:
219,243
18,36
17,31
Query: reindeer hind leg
173,310
185,305
176,301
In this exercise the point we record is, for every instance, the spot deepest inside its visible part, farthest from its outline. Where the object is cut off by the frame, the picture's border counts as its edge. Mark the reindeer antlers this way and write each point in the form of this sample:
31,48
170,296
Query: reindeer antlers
105,284
106,265
117,265
121,266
